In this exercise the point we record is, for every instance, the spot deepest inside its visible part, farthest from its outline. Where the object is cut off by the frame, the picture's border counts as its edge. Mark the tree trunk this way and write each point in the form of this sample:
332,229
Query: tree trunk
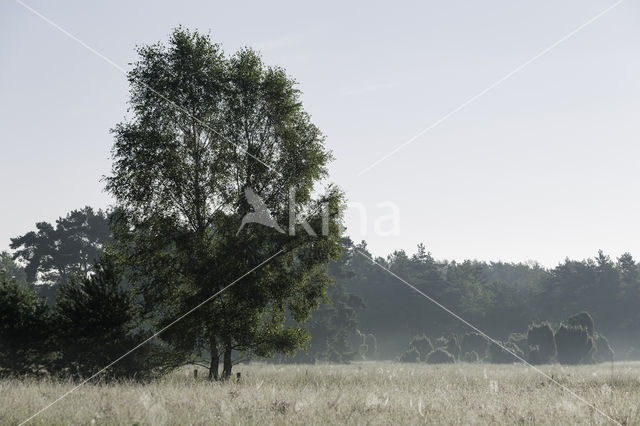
226,368
215,359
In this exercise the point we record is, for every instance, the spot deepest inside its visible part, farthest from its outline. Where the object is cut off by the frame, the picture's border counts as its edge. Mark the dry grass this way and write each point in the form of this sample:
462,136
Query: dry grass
364,393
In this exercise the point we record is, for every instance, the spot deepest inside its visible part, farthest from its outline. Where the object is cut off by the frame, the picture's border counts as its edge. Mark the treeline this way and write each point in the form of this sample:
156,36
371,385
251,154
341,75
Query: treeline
68,310
502,299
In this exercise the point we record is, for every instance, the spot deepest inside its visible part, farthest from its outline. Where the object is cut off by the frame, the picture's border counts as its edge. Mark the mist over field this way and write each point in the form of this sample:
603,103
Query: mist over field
288,215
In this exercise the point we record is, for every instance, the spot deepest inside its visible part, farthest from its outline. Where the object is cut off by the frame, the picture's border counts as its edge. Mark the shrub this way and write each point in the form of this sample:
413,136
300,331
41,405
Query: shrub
582,319
423,345
501,356
412,355
24,329
541,336
471,357
573,344
603,351
440,356
474,342
453,346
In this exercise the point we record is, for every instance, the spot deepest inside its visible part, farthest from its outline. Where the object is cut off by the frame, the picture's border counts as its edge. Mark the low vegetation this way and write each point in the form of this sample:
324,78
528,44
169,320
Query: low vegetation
360,393
574,342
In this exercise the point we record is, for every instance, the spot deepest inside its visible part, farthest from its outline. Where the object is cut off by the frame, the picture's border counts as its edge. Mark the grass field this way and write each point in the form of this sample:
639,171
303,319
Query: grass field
361,393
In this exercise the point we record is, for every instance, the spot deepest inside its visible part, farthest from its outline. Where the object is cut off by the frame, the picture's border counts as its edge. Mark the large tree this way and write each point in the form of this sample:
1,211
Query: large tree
205,130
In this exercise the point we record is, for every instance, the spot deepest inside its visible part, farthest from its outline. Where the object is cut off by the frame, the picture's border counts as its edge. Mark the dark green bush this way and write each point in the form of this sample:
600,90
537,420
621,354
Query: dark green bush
541,336
24,330
440,356
422,344
574,344
474,342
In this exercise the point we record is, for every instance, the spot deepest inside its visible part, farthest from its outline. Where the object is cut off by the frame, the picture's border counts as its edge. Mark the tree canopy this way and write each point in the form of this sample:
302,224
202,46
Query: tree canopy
52,254
205,128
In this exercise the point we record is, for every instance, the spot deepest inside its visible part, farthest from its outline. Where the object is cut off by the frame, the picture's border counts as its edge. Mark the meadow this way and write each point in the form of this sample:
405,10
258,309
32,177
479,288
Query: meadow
358,393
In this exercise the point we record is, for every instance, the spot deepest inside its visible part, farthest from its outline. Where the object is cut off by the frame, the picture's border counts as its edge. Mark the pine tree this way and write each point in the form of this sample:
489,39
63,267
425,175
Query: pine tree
24,330
96,322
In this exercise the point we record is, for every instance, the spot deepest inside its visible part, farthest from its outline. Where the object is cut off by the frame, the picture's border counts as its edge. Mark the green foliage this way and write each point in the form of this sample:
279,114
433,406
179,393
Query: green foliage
422,344
574,344
541,336
53,254
411,355
498,355
474,342
96,322
24,330
205,128
440,356
12,269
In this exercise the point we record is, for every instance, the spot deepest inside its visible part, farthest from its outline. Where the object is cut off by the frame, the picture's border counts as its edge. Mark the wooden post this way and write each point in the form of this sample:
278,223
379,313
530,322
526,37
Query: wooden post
195,373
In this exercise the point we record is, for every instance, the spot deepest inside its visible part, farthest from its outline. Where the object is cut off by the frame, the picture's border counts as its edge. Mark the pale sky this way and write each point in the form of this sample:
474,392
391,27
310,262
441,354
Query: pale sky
541,167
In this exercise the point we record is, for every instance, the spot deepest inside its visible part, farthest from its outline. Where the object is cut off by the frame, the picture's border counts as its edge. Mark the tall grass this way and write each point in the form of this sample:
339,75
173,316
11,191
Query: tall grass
362,393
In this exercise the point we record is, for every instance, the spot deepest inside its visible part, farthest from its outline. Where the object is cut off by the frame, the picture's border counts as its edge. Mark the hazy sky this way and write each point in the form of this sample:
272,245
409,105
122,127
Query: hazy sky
542,167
